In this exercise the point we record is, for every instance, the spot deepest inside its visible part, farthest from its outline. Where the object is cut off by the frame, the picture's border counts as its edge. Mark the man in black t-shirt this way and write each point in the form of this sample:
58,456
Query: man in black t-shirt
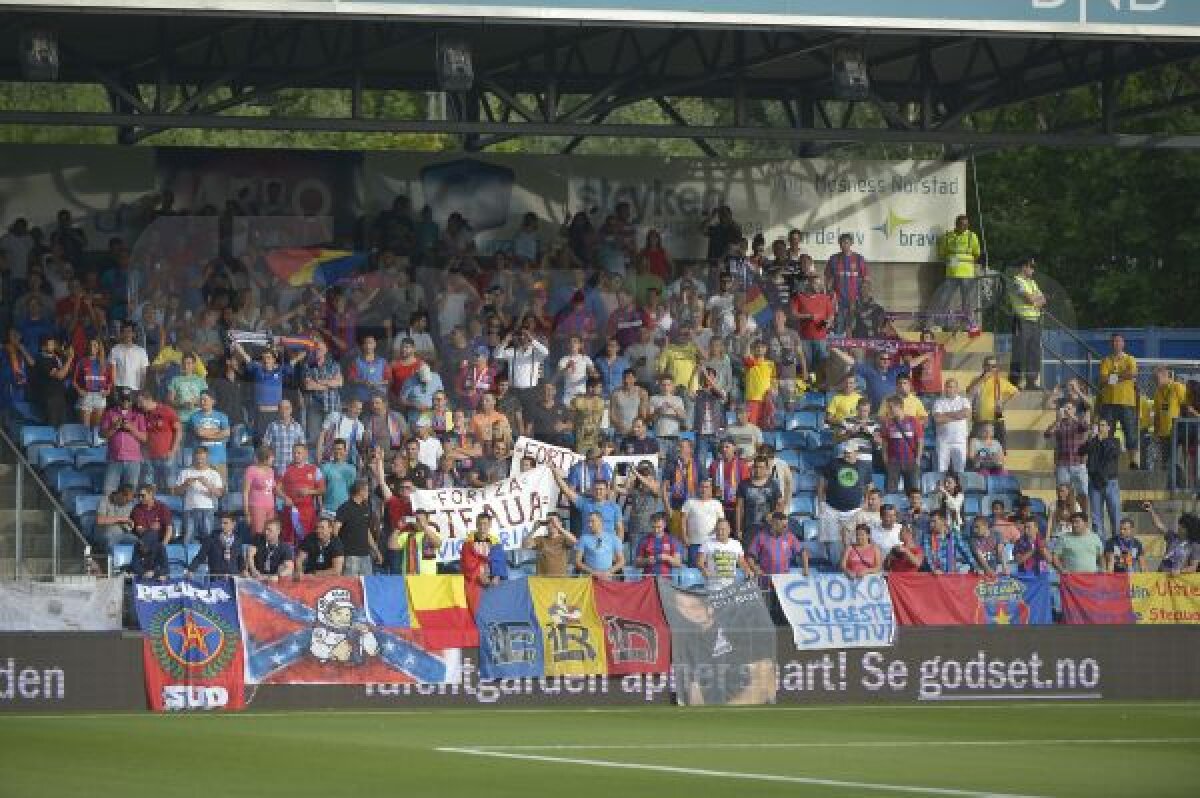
321,553
840,494
354,525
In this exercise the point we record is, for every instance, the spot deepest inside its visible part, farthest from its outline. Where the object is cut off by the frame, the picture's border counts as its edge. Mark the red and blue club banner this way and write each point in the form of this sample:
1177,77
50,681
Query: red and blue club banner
922,599
510,635
1096,599
636,636
339,630
192,649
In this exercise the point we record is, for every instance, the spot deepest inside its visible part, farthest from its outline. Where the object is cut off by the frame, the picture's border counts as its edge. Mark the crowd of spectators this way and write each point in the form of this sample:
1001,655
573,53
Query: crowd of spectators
299,419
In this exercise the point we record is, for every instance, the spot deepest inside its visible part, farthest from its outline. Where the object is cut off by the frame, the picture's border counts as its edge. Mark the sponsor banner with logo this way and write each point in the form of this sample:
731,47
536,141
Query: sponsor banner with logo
92,605
954,599
101,671
516,504
339,630
894,210
722,645
573,638
636,637
1165,599
834,611
192,651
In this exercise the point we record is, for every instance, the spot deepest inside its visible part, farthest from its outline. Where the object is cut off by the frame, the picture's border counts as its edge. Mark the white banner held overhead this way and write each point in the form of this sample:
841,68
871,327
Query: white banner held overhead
92,605
832,611
516,504
543,454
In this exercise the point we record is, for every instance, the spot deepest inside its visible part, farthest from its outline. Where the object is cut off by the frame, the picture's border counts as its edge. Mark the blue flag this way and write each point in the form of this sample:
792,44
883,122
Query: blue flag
510,639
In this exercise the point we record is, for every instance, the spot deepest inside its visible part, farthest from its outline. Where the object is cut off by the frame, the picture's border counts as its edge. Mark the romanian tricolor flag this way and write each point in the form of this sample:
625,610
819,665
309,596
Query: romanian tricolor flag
761,300
438,604
306,265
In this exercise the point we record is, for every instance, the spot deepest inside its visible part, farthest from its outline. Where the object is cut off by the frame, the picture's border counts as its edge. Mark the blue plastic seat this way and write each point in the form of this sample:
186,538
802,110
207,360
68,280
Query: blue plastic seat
930,481
1003,483
793,458
45,457
803,504
897,500
973,482
74,435
232,502
688,577
90,456
120,557
38,435
879,481
805,419
1037,505
971,505
69,478
811,529
174,503
85,503
804,483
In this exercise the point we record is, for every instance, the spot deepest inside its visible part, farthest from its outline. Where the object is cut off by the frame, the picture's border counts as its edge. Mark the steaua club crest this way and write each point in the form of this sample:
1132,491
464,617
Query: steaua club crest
190,642
1001,601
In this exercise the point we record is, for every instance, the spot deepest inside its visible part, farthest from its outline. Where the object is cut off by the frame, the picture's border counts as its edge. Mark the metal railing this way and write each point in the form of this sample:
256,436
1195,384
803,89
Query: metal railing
1184,466
1091,358
29,484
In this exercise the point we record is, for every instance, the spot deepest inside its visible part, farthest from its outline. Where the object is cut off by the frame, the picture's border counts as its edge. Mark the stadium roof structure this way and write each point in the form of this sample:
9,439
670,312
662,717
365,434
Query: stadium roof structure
566,69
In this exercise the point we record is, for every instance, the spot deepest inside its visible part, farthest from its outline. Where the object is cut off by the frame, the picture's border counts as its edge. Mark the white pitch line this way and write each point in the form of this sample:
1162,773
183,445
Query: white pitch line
731,774
848,744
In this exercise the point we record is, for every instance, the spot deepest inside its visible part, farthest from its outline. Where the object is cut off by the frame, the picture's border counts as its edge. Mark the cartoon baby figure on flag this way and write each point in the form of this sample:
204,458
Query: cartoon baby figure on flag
336,637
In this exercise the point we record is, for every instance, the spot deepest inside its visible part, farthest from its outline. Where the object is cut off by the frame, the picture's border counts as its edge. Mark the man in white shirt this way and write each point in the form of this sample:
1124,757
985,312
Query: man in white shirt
201,486
524,357
721,557
952,417
643,357
429,448
886,534
129,361
700,516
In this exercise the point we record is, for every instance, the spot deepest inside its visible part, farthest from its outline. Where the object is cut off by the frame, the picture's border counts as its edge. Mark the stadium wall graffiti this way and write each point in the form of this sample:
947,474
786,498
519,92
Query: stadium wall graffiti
103,671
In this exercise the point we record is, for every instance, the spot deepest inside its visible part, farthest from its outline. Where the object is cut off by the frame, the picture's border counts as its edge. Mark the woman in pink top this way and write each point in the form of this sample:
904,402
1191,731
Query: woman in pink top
259,490
862,556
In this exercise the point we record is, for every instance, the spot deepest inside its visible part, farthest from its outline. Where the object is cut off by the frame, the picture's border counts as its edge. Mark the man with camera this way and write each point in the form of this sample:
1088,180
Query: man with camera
1069,433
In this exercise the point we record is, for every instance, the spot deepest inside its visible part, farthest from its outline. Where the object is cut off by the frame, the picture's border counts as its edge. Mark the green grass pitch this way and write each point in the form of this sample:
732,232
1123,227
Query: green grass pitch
1085,750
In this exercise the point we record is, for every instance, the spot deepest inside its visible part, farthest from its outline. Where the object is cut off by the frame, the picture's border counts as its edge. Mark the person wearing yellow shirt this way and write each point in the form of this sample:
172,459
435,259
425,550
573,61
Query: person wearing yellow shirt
843,404
909,401
1170,402
1119,397
989,392
760,380
959,249
679,360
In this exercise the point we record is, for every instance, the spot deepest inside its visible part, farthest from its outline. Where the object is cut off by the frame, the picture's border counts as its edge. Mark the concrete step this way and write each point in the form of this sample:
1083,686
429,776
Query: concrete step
1130,480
